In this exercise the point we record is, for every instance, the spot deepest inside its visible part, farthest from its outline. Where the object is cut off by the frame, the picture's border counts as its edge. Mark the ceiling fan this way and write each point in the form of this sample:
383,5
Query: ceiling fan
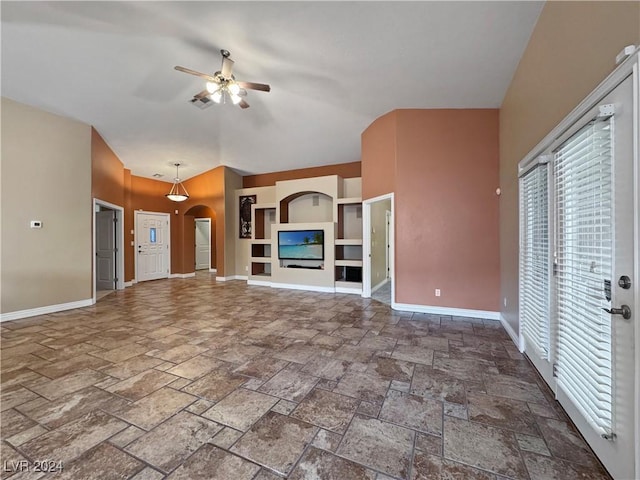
223,84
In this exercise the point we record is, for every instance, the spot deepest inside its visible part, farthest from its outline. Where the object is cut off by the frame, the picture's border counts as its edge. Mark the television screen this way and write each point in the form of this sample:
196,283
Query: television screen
301,245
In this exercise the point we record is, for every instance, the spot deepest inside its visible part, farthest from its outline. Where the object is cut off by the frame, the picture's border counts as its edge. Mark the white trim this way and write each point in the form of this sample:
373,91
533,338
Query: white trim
366,245
120,285
33,312
135,240
182,275
260,283
231,277
129,284
311,288
516,339
379,286
456,312
636,252
357,291
213,270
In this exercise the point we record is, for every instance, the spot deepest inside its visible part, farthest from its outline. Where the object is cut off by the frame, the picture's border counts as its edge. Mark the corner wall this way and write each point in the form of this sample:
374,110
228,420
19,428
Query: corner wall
571,50
46,176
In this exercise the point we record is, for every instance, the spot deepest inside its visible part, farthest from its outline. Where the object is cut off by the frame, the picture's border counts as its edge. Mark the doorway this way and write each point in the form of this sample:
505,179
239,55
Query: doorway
202,243
108,254
378,247
152,241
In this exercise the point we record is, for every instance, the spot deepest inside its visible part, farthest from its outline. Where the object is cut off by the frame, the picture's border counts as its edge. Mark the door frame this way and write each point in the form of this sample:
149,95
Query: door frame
119,230
208,220
135,241
366,246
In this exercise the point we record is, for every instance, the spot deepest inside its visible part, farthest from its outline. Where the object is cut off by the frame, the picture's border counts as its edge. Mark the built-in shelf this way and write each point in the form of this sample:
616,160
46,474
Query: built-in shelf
260,260
348,201
348,241
348,263
261,241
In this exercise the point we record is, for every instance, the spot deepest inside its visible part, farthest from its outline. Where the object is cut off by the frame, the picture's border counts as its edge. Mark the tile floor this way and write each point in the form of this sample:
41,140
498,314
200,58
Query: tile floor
189,379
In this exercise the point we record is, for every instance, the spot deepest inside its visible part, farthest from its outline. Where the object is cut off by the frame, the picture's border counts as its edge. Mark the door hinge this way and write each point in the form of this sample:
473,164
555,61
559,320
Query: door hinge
115,220
555,370
115,279
115,250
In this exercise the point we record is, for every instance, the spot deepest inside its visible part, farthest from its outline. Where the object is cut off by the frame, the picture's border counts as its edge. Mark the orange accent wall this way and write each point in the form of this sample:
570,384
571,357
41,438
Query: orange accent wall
442,166
344,170
379,156
107,172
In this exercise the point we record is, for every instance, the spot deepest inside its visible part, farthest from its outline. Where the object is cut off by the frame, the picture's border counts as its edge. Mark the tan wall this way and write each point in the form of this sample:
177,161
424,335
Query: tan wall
263,195
446,208
107,172
379,156
46,175
378,241
344,170
571,50
232,182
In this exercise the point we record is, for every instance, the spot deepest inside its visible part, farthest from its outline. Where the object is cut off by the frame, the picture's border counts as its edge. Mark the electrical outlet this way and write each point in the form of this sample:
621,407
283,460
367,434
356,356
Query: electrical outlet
246,268
437,292
505,301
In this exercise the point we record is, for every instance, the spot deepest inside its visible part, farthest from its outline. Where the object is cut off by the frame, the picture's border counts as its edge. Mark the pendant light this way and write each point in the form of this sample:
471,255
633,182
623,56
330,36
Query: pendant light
177,193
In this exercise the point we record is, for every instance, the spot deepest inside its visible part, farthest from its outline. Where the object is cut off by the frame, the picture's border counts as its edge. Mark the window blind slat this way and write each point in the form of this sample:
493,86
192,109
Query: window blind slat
583,180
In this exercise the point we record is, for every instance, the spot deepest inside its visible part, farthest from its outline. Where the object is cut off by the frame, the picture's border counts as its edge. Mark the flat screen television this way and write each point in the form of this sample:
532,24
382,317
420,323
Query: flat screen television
301,245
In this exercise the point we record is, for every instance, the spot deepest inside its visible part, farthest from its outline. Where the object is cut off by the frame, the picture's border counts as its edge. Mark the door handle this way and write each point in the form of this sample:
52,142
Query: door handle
624,310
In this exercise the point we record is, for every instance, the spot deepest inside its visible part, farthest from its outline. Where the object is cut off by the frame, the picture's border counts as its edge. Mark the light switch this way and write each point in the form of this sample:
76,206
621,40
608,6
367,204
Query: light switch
36,224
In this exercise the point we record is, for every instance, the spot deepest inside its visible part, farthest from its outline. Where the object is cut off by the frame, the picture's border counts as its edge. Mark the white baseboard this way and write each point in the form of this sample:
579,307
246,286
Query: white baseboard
311,288
514,337
182,275
357,291
261,283
33,312
231,277
213,270
129,284
379,286
457,312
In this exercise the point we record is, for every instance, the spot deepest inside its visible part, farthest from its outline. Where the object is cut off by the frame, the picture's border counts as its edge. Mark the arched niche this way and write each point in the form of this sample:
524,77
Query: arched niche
306,207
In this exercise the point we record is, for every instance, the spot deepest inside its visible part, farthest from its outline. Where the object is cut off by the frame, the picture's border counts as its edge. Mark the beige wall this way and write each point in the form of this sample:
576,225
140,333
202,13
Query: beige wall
232,182
571,50
46,175
378,241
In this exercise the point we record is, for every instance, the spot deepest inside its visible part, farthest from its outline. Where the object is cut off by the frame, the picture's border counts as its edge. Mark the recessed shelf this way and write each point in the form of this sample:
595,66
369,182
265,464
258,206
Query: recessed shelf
348,263
261,241
348,241
348,201
263,274
260,260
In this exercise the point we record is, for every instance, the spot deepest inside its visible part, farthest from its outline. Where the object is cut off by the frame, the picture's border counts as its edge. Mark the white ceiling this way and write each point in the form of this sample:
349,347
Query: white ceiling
334,67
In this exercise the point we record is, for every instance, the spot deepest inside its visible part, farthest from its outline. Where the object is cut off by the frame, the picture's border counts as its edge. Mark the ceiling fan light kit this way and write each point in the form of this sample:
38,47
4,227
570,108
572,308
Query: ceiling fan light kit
222,83
177,193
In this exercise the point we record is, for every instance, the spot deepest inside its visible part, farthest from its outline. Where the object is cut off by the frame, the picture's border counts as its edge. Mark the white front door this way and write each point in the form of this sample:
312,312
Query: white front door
203,243
105,250
595,269
152,246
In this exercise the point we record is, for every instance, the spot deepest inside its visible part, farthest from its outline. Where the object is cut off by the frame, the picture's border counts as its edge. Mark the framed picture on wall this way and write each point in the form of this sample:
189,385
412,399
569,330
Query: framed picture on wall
245,215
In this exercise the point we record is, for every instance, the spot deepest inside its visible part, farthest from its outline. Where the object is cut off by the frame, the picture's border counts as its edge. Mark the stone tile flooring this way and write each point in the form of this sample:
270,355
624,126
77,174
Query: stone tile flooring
190,379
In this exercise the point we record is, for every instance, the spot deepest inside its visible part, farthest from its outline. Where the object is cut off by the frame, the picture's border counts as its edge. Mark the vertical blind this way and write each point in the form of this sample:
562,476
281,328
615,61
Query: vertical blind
534,259
583,196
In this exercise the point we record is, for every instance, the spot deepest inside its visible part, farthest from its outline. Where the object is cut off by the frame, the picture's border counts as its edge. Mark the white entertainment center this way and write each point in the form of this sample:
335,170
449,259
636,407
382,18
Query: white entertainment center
330,204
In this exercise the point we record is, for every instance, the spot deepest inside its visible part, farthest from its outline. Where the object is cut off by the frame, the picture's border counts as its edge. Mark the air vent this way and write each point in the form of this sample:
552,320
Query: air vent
359,212
201,103
157,175
315,200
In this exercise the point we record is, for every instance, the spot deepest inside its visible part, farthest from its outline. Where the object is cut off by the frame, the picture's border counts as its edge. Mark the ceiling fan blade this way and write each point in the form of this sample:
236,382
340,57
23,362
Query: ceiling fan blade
243,104
227,67
255,86
197,74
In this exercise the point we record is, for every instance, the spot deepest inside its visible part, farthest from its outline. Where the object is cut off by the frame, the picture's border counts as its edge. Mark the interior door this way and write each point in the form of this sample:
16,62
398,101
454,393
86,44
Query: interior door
152,234
203,243
595,247
105,250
